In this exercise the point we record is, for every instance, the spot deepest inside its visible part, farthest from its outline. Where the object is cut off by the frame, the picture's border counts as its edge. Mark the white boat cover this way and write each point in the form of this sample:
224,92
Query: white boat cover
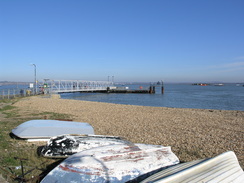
112,163
45,129
65,145
223,168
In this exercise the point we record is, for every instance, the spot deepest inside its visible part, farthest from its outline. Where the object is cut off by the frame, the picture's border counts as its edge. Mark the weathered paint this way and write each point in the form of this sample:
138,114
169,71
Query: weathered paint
65,145
112,163
43,129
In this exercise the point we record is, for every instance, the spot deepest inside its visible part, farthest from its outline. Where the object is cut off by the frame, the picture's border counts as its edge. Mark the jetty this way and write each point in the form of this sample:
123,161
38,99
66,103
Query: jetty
71,86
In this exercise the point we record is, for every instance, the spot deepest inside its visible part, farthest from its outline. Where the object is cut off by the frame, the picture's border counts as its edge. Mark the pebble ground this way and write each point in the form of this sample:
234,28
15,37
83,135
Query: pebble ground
192,133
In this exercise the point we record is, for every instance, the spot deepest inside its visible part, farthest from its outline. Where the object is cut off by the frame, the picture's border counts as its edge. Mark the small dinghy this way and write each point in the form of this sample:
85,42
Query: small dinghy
65,145
223,168
112,163
45,129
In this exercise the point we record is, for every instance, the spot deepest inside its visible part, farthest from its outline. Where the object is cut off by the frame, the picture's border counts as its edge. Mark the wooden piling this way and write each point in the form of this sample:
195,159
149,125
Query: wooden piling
162,88
150,90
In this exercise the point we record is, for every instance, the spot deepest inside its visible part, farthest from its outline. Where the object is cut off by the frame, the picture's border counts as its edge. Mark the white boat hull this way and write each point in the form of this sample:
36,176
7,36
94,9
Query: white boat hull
223,168
113,163
45,129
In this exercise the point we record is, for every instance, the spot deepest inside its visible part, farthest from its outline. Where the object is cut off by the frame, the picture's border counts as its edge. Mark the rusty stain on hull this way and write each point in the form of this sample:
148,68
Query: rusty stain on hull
113,163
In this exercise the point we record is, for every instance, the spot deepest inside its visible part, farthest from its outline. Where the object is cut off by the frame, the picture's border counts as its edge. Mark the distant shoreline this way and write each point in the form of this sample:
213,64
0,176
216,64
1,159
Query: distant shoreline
4,83
130,83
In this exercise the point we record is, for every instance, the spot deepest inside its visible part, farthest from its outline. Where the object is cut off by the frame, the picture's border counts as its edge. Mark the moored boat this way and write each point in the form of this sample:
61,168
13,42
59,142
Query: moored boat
219,84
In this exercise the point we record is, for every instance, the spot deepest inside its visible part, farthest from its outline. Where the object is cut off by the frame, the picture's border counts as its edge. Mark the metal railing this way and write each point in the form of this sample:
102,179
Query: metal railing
56,86
63,86
14,93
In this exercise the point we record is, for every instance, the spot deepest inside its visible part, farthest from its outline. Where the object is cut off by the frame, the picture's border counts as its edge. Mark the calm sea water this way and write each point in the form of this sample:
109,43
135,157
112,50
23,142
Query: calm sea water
15,86
227,97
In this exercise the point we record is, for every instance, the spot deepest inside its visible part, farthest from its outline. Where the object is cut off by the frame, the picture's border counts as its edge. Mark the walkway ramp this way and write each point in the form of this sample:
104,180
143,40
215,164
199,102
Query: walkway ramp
70,86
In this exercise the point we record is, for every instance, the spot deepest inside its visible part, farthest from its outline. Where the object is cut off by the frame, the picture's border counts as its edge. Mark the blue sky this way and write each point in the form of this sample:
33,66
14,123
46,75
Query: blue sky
132,40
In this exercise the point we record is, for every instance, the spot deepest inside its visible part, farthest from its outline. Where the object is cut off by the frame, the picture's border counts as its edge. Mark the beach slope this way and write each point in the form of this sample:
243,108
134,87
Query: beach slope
191,133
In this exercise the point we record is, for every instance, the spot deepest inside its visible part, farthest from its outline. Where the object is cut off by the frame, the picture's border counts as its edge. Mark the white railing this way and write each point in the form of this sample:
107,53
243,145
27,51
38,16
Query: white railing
65,86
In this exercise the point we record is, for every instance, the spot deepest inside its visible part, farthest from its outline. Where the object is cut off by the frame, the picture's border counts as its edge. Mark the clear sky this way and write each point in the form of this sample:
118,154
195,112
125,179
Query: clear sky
132,40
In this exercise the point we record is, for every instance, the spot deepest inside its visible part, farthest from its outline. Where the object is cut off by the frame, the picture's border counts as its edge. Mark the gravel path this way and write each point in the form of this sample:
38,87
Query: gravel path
191,133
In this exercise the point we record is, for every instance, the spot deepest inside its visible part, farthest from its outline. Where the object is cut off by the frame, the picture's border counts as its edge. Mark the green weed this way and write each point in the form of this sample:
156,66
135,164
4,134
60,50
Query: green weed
7,107
52,115
12,150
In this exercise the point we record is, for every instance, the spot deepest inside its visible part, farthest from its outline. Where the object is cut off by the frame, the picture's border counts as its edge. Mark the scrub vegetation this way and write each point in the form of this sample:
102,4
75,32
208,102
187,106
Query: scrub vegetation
15,152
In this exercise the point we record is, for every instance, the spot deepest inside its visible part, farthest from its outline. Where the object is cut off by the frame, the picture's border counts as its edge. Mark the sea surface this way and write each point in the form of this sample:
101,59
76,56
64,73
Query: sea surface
227,97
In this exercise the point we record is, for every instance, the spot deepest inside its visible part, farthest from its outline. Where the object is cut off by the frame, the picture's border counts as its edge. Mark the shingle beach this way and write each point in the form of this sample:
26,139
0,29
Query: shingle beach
191,133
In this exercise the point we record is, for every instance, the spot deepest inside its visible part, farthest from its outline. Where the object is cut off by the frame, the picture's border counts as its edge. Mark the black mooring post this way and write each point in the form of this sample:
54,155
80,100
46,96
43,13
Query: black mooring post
162,89
150,89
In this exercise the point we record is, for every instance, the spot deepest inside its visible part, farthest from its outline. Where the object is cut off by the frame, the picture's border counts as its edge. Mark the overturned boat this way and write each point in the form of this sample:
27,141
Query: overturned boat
45,129
65,145
223,168
112,163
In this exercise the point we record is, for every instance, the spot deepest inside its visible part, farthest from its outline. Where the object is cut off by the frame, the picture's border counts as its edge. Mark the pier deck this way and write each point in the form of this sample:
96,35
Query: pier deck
71,86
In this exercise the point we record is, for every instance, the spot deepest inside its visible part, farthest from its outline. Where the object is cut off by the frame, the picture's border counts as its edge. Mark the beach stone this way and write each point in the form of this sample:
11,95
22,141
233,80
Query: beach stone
192,133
